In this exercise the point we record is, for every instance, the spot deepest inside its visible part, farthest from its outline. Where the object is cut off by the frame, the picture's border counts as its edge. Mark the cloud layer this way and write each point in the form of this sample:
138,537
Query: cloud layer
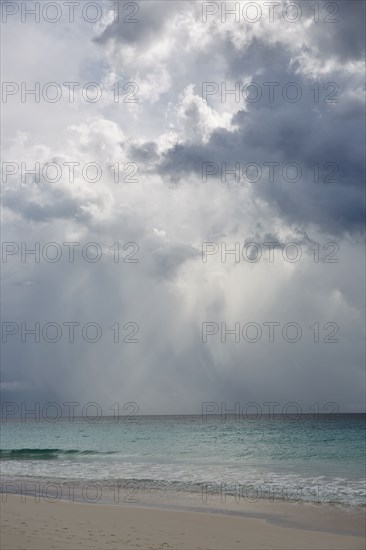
193,167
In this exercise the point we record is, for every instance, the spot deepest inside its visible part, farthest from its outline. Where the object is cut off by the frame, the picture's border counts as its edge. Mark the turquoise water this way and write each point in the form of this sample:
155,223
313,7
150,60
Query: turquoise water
312,459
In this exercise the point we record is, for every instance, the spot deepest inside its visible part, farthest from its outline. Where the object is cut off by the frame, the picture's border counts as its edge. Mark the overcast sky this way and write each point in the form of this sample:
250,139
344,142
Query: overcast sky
298,110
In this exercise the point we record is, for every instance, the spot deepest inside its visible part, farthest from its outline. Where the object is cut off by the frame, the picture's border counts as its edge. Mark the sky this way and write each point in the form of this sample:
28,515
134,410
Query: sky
198,168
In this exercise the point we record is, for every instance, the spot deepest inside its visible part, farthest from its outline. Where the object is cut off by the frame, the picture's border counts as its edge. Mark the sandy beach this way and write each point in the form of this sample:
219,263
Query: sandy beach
71,525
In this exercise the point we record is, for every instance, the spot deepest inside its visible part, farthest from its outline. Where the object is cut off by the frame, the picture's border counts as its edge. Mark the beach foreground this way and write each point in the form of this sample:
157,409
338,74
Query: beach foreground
71,525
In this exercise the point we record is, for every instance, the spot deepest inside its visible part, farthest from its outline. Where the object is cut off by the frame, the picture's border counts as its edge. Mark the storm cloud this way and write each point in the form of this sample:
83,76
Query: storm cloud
242,133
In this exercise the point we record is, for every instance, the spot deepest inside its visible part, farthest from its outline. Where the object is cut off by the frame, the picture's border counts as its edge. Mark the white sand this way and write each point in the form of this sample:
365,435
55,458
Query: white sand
70,525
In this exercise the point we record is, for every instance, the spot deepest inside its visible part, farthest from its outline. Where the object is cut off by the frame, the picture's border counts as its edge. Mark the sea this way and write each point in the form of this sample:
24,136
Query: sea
309,458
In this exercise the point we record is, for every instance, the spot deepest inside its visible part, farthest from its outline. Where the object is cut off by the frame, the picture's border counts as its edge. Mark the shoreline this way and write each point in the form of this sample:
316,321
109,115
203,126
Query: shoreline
279,511
126,490
30,524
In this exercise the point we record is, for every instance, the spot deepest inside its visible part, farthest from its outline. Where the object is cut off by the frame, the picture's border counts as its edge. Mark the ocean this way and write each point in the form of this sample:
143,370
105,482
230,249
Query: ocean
312,459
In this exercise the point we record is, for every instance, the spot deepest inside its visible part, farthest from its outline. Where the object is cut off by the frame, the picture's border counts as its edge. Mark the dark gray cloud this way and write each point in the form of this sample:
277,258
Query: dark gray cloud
345,38
309,133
